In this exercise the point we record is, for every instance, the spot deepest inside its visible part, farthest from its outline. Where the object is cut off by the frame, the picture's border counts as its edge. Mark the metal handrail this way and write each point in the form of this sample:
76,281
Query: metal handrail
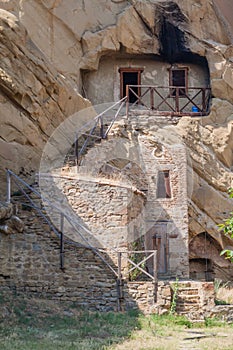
19,182
60,234
93,124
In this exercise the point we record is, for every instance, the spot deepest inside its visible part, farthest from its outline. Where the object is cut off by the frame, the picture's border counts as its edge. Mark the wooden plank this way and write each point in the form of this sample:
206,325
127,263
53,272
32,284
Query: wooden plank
119,254
155,276
137,265
152,98
140,269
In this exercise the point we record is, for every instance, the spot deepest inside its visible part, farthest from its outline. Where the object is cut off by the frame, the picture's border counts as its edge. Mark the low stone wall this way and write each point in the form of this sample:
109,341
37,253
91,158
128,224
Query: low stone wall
149,299
222,312
30,264
194,299
140,292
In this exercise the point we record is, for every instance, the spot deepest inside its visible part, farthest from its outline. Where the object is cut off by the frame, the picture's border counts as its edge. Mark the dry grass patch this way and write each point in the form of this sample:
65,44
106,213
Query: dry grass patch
182,339
225,294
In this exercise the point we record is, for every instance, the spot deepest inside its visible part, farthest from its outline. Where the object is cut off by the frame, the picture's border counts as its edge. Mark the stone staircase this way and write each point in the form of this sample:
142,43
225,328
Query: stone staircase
188,300
193,299
87,155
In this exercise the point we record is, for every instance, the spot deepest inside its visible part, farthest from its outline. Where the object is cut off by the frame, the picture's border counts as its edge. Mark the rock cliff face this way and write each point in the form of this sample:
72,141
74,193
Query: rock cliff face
34,98
46,45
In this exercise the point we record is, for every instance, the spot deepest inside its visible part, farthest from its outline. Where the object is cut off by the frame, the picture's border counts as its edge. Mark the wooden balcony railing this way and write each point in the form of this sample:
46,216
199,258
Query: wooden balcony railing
170,100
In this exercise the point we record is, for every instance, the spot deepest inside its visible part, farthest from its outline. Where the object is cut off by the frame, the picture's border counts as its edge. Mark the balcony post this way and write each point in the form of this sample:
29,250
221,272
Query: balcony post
177,100
127,101
152,98
203,100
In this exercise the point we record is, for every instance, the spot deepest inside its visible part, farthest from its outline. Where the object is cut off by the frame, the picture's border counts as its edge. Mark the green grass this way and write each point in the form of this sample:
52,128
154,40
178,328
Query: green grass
31,326
214,322
171,320
36,324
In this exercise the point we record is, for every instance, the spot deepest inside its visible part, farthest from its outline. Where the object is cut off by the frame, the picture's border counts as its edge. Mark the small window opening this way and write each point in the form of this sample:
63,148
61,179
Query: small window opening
130,76
179,77
163,184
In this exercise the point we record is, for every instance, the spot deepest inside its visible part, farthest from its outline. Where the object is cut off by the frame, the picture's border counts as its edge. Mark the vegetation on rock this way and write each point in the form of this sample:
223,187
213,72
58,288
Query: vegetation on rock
227,228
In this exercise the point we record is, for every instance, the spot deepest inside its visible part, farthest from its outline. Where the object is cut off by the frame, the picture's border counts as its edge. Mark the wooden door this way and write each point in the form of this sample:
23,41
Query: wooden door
130,76
160,243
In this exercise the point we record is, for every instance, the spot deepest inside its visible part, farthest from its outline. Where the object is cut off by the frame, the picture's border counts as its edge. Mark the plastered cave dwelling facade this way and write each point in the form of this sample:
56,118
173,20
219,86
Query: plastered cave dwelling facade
119,114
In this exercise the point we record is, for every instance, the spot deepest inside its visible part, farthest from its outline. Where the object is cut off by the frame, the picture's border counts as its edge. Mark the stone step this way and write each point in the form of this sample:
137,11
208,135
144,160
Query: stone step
185,308
188,302
187,296
190,305
183,311
187,289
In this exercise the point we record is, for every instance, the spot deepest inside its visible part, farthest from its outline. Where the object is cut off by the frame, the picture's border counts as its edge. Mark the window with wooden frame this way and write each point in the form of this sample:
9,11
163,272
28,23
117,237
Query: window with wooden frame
178,77
130,76
163,184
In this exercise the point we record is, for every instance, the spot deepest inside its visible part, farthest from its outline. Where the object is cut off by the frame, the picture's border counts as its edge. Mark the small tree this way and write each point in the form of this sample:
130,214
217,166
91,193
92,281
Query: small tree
227,228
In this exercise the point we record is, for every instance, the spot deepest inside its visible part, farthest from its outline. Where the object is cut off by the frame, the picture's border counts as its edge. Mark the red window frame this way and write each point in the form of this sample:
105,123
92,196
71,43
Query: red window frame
130,70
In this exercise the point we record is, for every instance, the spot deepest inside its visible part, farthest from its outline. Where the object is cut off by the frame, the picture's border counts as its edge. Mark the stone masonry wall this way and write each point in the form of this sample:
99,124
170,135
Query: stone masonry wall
30,264
115,194
194,299
174,209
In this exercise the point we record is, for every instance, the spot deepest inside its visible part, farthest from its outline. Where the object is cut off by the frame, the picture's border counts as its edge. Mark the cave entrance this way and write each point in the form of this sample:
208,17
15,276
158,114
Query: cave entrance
201,269
130,76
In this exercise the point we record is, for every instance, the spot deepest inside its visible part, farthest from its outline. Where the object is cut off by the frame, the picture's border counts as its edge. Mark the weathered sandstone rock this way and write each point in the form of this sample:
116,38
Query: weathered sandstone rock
34,98
9,223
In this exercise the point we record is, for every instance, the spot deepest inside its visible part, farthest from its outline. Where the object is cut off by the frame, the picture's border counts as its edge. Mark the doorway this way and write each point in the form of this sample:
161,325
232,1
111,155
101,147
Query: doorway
178,77
130,76
157,239
201,269
160,243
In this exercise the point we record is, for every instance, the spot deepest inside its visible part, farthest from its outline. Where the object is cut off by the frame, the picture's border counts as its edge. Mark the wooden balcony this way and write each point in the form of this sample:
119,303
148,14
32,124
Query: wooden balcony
170,100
